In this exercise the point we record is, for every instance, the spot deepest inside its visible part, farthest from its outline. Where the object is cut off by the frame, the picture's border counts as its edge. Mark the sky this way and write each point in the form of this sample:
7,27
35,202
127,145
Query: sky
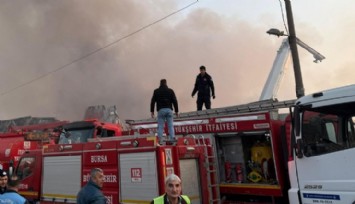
59,57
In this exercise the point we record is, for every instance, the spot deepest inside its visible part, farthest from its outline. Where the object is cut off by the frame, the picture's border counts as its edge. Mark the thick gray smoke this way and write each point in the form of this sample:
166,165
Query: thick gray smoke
39,36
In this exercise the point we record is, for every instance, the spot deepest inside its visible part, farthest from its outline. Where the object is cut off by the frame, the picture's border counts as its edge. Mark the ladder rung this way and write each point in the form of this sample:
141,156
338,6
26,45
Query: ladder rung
211,171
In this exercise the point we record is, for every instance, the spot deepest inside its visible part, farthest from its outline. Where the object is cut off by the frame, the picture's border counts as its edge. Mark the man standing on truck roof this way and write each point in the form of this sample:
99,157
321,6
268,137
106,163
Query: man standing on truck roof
3,181
204,86
165,99
91,192
173,192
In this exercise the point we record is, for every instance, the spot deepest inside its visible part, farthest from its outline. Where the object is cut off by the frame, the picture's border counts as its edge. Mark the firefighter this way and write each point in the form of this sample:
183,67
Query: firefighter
11,195
204,85
3,181
173,192
91,192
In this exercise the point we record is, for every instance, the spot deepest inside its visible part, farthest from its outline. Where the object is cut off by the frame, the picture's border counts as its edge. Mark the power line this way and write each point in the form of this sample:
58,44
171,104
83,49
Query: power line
283,16
95,51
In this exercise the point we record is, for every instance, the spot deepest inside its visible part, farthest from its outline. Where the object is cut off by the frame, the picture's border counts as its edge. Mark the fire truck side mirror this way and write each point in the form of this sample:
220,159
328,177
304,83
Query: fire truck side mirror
296,121
57,130
11,167
67,134
299,148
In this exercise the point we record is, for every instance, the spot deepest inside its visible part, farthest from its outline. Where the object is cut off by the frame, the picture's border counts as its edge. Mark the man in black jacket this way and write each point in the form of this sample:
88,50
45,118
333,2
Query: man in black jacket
204,85
165,99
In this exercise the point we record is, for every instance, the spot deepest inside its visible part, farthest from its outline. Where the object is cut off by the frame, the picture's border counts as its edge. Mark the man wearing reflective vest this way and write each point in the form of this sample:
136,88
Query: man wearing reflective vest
173,192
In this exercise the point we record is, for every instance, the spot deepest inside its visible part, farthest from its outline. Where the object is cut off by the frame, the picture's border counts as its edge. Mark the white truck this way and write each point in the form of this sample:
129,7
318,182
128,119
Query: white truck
323,166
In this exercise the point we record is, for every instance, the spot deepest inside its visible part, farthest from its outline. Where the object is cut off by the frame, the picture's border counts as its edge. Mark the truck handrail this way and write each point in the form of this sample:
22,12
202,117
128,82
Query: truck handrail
118,138
264,105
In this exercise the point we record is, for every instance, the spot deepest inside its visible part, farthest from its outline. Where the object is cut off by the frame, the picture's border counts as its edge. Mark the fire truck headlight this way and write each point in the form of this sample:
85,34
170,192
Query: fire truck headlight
135,143
98,146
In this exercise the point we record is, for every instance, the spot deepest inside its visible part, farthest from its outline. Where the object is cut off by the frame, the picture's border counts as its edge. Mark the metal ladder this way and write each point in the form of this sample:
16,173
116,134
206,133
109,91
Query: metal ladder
265,105
213,187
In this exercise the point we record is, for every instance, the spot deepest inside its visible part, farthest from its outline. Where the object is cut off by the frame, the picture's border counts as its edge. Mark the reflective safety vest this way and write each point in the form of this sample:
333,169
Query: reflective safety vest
160,199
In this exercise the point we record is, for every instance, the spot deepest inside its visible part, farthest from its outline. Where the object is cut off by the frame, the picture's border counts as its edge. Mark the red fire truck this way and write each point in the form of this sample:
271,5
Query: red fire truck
134,167
250,147
234,153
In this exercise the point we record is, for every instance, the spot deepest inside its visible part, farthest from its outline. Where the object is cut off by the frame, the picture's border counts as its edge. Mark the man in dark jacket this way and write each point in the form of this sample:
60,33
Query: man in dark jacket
91,192
165,99
204,86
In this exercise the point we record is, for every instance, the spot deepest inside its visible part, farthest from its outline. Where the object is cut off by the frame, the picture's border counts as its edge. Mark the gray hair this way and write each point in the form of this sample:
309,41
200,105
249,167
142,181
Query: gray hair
94,171
172,177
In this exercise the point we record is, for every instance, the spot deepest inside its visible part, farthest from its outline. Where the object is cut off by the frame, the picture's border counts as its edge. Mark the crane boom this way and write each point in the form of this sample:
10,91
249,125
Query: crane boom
277,72
317,56
272,84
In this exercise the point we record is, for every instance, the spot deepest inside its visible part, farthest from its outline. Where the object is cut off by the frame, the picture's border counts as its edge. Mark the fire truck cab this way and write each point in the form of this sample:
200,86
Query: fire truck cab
322,170
82,131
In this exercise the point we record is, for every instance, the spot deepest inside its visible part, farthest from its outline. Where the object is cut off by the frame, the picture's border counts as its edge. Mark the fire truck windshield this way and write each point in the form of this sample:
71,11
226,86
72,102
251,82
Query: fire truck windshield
76,136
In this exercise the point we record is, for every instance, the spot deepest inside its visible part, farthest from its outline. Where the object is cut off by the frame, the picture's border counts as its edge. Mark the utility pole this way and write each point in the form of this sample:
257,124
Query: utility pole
294,52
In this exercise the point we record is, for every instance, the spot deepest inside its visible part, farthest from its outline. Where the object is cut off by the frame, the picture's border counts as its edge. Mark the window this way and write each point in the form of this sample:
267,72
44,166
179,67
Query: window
351,131
75,136
25,167
329,127
323,133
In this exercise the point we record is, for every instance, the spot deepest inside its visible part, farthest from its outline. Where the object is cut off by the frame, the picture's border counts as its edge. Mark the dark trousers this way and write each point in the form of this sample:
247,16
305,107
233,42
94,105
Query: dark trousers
203,100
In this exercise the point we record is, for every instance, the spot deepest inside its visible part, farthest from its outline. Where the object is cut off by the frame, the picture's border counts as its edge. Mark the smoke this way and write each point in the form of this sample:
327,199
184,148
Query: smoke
41,36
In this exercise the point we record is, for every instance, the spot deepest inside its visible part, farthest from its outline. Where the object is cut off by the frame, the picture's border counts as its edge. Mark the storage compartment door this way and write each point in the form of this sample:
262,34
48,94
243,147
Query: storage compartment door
61,178
138,177
190,180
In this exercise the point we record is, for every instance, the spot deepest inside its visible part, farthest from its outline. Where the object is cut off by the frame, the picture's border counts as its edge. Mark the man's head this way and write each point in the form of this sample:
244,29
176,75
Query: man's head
97,176
13,183
173,186
163,82
202,70
3,178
